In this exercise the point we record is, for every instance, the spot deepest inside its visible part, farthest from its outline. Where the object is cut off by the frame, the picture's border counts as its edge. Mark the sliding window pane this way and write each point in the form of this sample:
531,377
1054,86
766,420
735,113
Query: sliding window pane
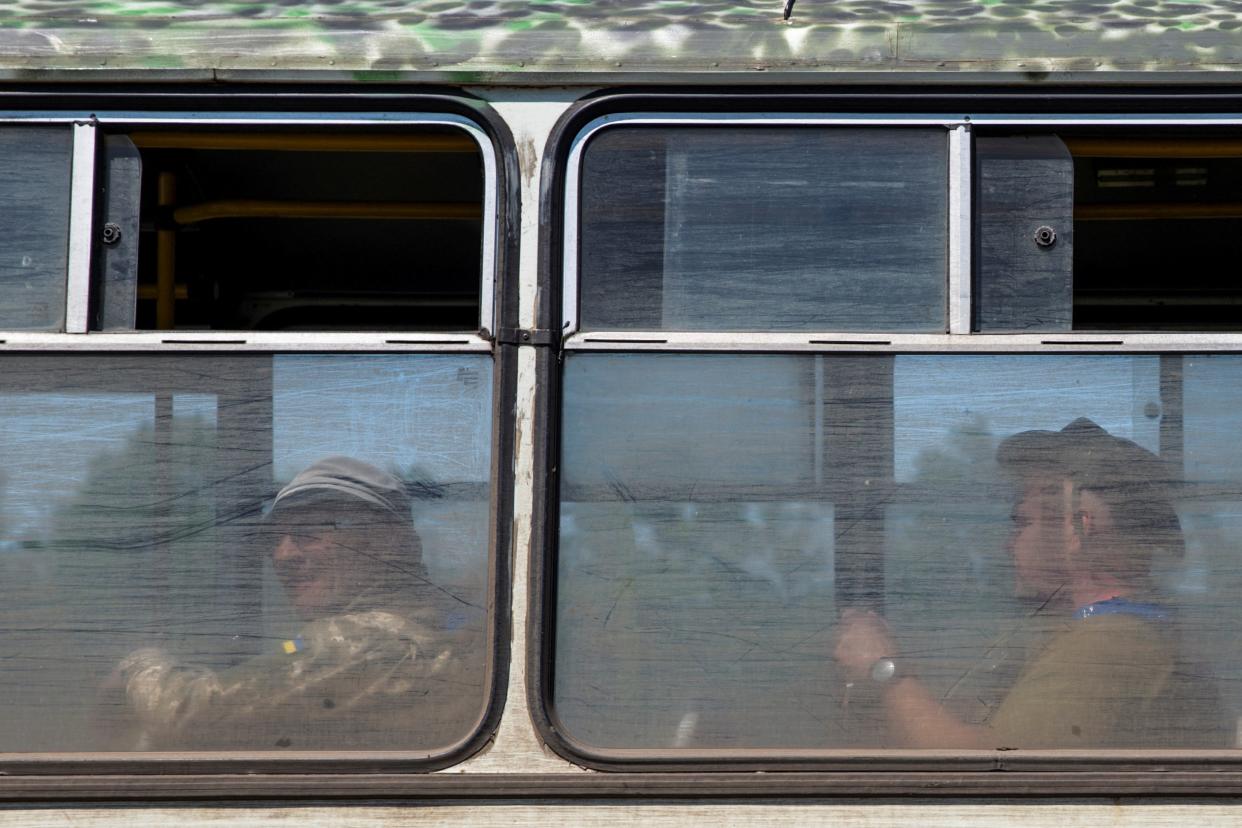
746,229
34,226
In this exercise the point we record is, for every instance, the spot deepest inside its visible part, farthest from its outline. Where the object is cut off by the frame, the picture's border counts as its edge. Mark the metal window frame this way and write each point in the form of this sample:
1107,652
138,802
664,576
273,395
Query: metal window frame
961,199
81,242
1025,772
250,774
81,223
959,267
957,177
854,342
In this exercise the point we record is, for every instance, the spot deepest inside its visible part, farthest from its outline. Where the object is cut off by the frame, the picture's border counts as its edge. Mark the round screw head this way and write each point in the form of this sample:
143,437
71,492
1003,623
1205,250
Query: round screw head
1045,236
111,233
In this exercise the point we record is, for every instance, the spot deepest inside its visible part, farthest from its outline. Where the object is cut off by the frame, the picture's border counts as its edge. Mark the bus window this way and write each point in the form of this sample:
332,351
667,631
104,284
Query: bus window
306,230
34,226
791,546
748,229
245,552
284,547
725,518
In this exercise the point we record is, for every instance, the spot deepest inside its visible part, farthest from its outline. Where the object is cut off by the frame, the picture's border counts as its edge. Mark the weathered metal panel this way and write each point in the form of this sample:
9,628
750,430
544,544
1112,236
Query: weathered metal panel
467,42
119,253
1066,814
34,226
517,746
1025,184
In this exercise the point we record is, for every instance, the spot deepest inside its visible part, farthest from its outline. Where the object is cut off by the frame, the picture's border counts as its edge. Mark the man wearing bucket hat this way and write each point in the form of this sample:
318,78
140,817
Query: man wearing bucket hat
1093,511
374,666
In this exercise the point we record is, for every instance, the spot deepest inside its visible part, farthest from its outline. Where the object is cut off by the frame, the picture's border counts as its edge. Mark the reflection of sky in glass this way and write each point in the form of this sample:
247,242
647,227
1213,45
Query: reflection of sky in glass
201,407
936,395
399,412
686,420
48,440
1213,417
396,412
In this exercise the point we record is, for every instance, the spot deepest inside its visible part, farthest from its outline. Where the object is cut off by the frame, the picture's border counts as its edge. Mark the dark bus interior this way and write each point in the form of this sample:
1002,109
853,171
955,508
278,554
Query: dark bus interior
281,230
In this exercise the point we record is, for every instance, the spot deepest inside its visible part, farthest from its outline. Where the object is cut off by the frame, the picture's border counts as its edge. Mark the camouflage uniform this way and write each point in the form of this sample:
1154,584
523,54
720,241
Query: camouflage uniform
367,678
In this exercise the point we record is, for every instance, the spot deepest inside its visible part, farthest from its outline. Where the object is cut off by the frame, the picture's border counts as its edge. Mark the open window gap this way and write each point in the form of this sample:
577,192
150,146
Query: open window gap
1158,222
273,229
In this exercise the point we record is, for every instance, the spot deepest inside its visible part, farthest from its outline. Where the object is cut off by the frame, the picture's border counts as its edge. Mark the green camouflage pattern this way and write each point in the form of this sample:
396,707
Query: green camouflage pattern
362,679
483,41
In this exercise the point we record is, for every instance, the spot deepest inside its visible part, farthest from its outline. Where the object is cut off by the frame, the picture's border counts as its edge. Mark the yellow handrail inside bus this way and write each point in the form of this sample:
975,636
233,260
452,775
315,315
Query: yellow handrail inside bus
1154,148
149,292
260,209
166,257
312,142
1124,212
252,208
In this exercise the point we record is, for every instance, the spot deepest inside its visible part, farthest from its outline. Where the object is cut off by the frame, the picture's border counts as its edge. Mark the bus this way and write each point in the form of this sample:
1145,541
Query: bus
510,412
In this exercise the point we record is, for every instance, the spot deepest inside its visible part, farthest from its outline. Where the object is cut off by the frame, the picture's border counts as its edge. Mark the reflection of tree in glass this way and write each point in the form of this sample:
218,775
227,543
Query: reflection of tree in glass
133,557
948,578
961,498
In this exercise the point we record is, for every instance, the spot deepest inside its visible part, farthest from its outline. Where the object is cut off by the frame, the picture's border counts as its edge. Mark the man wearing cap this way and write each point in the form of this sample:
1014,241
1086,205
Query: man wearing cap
1093,510
375,665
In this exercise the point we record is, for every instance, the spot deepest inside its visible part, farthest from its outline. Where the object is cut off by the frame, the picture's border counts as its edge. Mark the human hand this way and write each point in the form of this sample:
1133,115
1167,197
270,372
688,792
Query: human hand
862,639
118,679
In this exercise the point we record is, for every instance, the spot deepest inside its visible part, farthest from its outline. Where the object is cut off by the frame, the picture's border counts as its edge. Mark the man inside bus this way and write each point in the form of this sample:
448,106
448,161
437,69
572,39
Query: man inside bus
376,664
1093,510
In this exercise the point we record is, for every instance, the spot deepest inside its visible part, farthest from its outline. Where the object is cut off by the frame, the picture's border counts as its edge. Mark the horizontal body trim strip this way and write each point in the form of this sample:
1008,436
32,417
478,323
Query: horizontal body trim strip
243,341
905,343
696,786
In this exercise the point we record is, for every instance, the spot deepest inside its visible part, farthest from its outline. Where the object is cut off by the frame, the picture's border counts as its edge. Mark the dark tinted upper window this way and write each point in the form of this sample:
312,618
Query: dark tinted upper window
35,166
746,229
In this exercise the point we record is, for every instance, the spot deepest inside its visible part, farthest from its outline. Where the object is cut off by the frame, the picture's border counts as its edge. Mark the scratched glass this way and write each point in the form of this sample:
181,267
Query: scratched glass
34,226
747,229
158,595
1045,547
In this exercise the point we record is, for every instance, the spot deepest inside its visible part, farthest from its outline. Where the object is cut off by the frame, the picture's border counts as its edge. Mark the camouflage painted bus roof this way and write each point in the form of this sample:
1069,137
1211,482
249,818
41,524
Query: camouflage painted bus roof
488,40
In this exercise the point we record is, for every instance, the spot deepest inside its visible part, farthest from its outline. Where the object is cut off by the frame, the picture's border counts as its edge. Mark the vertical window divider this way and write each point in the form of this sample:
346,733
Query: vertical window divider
959,229
81,209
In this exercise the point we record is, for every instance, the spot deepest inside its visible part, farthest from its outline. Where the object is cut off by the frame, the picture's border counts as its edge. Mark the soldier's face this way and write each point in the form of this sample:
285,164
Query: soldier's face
1039,538
1064,541
313,562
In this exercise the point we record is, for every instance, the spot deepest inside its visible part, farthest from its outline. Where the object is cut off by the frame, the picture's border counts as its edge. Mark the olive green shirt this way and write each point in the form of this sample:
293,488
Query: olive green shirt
1110,681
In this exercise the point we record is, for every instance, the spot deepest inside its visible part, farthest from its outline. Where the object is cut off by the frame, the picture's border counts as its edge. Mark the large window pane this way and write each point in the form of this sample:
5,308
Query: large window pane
248,552
34,226
788,229
1043,546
